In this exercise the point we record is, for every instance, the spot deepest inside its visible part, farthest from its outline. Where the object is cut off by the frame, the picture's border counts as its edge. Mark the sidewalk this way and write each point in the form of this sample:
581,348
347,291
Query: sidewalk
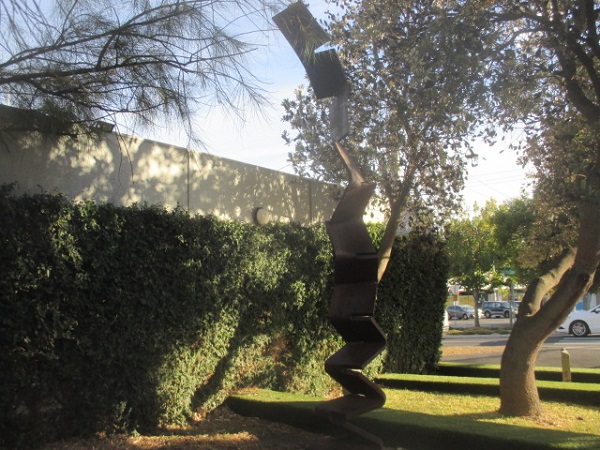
581,357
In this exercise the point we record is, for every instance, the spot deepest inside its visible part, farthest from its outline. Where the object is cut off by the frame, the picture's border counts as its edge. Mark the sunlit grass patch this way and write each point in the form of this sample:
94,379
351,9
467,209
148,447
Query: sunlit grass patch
556,416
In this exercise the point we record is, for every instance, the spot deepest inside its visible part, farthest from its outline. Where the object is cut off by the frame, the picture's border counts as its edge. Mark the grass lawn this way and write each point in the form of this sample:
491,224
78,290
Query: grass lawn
481,409
447,420
432,420
562,426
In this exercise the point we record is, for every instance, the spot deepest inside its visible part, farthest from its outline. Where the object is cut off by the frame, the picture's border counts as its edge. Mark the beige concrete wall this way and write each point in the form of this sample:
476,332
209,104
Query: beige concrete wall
124,170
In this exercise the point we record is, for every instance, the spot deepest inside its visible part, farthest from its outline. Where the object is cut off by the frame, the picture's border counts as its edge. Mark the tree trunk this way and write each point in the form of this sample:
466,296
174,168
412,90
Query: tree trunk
518,390
391,228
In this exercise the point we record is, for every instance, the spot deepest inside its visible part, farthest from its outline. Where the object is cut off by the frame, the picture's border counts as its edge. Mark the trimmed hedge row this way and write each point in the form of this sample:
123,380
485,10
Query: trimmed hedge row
578,375
411,430
587,394
116,319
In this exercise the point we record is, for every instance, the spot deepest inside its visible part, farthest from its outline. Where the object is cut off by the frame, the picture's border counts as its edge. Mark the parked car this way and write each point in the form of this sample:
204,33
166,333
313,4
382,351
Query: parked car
498,309
460,312
582,323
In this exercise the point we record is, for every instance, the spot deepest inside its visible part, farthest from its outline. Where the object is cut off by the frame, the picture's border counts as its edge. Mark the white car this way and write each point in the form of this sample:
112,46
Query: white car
582,323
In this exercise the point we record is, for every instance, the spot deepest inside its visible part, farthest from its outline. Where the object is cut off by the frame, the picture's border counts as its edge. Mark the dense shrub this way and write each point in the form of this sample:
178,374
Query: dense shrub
412,295
118,319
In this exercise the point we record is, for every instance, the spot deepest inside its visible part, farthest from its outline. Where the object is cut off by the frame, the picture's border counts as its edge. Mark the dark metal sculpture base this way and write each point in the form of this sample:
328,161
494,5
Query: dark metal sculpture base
352,308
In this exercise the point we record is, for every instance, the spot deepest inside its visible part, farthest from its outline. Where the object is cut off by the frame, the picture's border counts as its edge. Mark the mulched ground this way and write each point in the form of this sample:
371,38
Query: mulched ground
220,430
224,430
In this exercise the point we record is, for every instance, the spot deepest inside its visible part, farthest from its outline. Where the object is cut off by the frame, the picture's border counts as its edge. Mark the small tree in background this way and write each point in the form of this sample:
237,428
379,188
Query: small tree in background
474,253
519,240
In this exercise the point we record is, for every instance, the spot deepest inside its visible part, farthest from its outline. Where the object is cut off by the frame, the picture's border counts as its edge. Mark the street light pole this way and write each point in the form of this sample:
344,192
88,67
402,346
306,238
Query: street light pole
512,302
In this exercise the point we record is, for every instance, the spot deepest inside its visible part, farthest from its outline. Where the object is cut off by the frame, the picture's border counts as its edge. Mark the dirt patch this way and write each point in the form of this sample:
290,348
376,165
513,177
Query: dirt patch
220,430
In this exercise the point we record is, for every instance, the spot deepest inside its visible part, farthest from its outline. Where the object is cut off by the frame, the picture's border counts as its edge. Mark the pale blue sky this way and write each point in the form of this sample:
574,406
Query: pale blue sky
257,139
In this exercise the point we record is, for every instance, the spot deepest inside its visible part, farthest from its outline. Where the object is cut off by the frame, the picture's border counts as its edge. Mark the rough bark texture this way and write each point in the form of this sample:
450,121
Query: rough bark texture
572,278
398,206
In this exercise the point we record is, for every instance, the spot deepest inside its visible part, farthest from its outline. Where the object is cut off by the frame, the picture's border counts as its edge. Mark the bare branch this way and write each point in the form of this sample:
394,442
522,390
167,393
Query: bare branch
171,56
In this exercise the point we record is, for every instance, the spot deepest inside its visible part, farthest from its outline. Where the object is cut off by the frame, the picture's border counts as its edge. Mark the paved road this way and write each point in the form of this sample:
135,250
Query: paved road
584,352
491,322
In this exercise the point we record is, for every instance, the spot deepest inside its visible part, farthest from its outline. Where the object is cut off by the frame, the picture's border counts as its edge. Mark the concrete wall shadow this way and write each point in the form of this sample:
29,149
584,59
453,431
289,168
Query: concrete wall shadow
125,170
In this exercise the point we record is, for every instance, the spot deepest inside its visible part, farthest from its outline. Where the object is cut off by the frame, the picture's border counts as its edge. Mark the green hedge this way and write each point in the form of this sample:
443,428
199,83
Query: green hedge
578,375
120,319
410,308
587,394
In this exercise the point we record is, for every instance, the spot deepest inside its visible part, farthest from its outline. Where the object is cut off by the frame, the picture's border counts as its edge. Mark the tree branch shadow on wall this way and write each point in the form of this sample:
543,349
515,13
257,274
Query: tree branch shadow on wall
125,170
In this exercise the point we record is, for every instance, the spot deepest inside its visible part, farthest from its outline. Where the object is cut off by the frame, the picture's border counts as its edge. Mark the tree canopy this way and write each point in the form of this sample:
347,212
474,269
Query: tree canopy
416,97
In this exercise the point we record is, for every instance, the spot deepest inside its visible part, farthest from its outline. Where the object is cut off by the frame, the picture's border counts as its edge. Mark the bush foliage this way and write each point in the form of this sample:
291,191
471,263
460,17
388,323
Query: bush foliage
120,319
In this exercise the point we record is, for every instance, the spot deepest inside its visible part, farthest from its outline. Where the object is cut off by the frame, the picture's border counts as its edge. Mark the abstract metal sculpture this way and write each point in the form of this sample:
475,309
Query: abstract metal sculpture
355,256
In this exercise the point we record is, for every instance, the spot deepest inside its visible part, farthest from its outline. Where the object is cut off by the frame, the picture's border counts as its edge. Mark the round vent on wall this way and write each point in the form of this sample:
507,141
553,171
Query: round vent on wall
262,216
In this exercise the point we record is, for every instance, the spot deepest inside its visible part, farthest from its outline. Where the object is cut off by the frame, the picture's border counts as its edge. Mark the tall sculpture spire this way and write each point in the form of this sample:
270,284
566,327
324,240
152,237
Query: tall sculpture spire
355,257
